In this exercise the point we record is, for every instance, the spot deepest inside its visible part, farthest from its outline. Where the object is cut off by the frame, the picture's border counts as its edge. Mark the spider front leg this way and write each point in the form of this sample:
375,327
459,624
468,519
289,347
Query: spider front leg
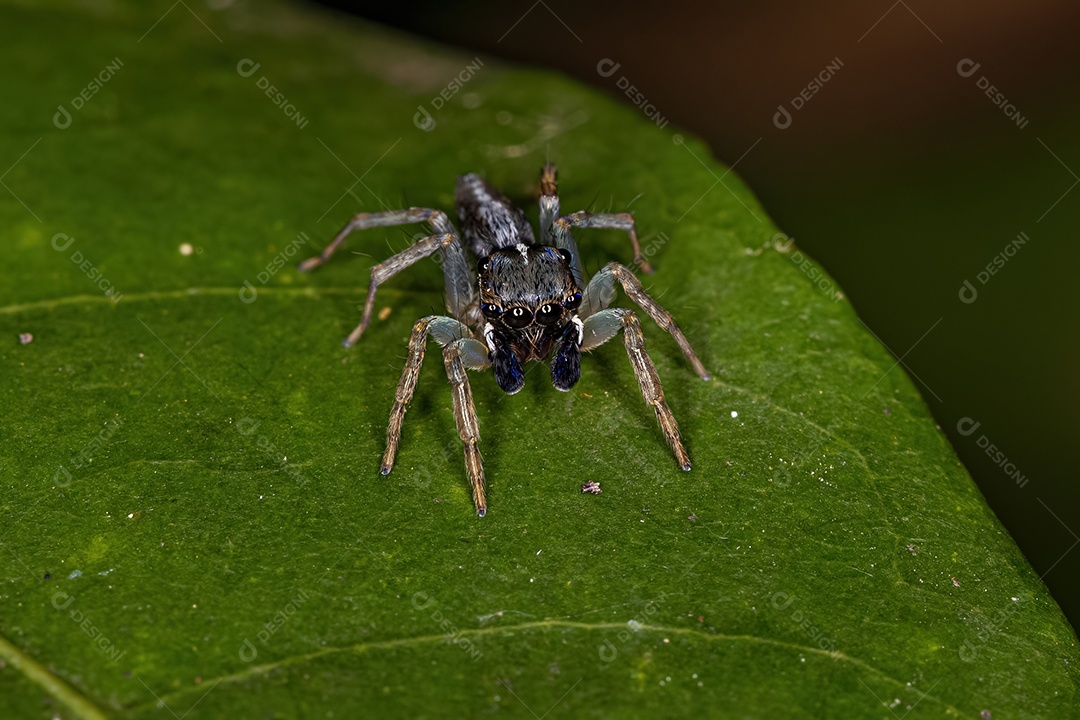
465,417
616,221
601,291
603,326
460,290
461,351
558,231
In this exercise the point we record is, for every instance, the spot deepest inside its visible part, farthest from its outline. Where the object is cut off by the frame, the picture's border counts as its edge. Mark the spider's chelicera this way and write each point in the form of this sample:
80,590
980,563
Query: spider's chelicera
524,301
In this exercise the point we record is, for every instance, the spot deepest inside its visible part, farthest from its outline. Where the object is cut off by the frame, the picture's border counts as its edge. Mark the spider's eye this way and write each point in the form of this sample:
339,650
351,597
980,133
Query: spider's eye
548,314
566,255
517,317
483,264
490,311
572,302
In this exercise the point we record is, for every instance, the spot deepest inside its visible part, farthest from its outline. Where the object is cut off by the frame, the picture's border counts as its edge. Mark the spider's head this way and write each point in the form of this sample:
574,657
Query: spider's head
529,301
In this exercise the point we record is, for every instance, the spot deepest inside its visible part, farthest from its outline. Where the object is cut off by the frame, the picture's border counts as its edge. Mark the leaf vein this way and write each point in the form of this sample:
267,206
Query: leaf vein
359,648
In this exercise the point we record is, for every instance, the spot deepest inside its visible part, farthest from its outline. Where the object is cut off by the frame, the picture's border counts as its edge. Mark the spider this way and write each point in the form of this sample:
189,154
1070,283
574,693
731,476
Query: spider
525,301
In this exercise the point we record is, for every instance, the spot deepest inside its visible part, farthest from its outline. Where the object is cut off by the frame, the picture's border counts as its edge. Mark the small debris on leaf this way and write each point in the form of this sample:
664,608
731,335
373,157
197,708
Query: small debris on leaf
591,487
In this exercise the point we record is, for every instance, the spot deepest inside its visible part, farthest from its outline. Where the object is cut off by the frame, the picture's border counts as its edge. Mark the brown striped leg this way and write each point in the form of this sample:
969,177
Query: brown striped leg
603,326
600,291
615,221
405,388
385,270
459,278
390,218
443,330
468,427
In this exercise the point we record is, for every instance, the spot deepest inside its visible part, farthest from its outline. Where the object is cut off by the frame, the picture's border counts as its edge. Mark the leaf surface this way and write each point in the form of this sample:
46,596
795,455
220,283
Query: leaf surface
193,515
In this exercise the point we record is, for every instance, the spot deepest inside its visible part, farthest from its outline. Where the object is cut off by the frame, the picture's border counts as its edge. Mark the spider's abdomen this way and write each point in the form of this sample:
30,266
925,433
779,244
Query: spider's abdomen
488,220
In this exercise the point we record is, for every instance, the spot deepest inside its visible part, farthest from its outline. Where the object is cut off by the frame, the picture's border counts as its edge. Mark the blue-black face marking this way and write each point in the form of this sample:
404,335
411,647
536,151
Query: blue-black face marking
528,298
566,360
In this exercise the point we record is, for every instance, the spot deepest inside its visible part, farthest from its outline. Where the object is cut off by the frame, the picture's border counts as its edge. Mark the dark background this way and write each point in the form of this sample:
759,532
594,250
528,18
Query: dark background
900,176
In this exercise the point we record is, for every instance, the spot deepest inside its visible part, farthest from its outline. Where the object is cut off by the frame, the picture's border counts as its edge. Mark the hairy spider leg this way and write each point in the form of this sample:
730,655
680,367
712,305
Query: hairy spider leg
603,326
601,291
460,280
618,221
549,212
460,351
465,417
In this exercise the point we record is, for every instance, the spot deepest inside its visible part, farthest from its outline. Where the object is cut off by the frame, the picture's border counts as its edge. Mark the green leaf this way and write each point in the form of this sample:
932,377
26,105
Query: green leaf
193,515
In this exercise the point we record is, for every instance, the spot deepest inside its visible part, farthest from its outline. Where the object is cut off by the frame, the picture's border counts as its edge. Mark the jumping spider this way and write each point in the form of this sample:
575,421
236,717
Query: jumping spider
526,301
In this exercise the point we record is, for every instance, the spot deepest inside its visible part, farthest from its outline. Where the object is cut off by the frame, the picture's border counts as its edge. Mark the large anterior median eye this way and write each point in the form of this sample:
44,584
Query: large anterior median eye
548,314
517,317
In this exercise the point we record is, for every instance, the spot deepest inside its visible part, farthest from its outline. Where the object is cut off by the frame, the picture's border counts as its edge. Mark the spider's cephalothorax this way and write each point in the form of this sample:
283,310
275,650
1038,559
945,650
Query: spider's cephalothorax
529,301
525,301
